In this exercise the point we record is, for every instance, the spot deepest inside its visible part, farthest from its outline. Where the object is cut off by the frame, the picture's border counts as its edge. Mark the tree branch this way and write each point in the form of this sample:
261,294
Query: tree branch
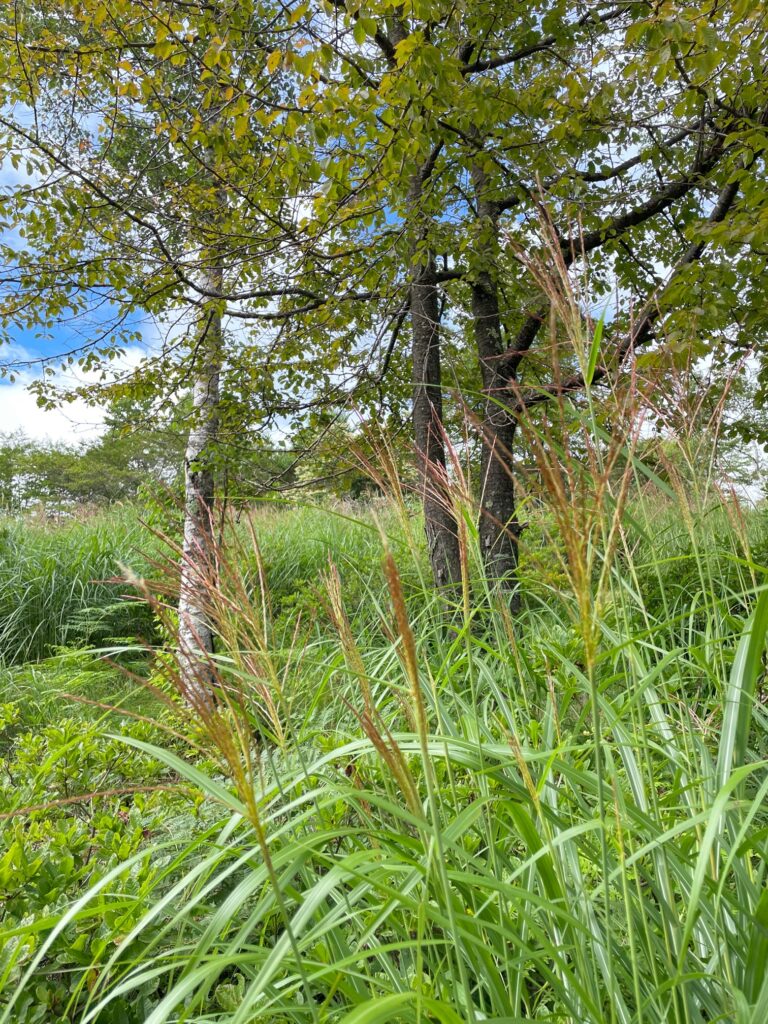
642,329
572,248
544,43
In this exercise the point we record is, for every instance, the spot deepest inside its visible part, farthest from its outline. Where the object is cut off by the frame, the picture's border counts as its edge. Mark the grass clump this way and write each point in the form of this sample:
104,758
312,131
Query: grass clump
60,585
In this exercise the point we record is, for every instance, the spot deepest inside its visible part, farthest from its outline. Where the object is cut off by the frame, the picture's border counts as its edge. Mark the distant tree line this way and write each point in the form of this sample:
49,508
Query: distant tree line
128,455
139,456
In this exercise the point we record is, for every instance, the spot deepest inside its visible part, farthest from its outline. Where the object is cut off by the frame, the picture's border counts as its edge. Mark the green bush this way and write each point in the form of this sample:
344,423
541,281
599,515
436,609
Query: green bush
78,806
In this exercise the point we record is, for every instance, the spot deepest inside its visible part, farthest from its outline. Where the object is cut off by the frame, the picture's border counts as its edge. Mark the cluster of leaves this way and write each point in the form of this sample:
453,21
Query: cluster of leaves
326,152
62,478
128,463
76,806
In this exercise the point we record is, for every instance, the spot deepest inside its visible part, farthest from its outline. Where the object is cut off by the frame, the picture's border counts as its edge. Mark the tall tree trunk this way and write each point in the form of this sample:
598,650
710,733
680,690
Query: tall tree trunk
439,518
198,556
499,529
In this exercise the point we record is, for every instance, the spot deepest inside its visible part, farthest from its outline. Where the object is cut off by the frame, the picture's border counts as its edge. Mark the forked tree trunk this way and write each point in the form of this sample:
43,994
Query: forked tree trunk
498,527
439,518
198,558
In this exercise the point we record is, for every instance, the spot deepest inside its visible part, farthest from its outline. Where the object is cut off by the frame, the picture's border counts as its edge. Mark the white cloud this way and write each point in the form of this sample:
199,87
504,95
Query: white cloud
70,423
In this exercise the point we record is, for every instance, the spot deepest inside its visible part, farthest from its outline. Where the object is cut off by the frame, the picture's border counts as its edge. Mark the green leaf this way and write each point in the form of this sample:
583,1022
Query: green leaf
756,967
740,694
388,1008
594,349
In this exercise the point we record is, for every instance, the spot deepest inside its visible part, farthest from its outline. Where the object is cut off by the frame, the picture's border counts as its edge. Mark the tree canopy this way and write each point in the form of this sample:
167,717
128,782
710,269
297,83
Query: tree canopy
393,196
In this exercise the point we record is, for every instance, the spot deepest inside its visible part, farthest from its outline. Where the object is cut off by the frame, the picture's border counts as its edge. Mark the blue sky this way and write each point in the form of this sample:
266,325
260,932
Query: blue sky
75,421
18,406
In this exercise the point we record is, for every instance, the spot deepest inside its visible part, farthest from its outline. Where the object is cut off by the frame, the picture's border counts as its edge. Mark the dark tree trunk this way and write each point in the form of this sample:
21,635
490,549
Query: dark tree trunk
439,518
499,530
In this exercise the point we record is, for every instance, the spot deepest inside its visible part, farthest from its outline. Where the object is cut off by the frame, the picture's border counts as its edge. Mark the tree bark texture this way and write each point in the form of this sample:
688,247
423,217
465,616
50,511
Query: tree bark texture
196,638
439,519
499,529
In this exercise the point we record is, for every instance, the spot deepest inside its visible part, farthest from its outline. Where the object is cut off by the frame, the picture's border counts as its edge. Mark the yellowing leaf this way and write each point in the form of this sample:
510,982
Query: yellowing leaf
163,49
306,96
298,13
273,61
304,63
405,48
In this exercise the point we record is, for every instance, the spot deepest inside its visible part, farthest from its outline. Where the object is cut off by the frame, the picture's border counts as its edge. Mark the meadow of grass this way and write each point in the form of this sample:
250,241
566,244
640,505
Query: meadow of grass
59,583
397,805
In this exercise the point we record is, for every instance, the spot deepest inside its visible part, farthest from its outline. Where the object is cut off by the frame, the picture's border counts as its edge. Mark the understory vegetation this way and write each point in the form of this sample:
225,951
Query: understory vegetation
392,805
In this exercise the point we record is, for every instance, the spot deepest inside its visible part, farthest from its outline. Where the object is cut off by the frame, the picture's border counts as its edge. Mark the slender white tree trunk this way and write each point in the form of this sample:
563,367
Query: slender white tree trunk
198,567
